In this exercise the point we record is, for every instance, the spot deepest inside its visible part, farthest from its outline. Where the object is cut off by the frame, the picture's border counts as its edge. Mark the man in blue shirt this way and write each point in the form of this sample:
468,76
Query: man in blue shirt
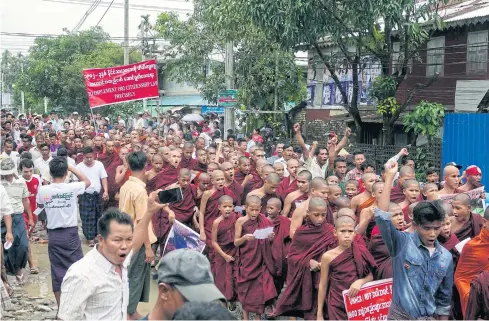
422,268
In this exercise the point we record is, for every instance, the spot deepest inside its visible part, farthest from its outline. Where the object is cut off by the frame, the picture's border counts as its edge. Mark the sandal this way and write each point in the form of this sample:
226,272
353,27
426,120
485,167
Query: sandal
20,278
34,270
10,290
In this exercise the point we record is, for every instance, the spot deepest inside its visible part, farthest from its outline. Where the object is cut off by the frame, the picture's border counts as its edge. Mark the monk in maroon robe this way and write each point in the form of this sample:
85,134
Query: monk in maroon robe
478,304
111,160
381,255
289,183
187,160
309,243
231,183
281,241
185,209
224,265
201,164
254,277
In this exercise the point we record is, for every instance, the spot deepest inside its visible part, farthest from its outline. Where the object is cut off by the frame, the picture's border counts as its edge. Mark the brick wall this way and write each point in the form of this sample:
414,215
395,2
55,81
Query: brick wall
318,129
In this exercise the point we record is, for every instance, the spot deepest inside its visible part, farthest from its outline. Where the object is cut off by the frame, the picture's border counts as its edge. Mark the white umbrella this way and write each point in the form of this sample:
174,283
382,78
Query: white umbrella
193,117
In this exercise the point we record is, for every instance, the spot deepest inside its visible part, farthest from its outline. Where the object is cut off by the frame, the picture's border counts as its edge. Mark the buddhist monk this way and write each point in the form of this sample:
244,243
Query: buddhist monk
365,199
267,191
430,191
465,223
339,203
451,175
474,176
319,188
281,241
230,182
397,193
255,286
168,175
308,244
209,206
478,303
201,165
204,184
211,155
242,175
123,171
111,160
223,267
150,152
378,248
289,183
211,167
295,198
185,209
157,165
352,188
332,180
346,267
256,180
411,192
279,169
187,160
367,219
473,260
234,159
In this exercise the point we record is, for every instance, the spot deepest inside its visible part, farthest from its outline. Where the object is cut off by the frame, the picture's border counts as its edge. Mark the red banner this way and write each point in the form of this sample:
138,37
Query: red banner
371,303
106,86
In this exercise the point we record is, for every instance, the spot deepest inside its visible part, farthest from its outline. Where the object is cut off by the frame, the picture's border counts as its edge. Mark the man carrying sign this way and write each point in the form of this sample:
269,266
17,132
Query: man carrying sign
418,292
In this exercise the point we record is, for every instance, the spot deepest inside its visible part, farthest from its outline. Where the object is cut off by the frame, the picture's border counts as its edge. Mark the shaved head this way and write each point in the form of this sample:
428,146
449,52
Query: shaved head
406,171
316,202
318,182
226,165
273,178
217,173
367,176
486,214
462,198
345,216
334,189
450,169
275,201
253,199
243,159
225,198
204,177
306,175
292,162
342,202
184,172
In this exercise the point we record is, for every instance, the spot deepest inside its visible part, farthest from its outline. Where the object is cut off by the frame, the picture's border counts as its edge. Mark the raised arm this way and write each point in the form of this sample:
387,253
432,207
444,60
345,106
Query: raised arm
300,141
203,206
81,177
344,140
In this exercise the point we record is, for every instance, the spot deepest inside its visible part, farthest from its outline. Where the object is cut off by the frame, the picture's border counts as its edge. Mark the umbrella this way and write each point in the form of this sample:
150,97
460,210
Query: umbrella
192,117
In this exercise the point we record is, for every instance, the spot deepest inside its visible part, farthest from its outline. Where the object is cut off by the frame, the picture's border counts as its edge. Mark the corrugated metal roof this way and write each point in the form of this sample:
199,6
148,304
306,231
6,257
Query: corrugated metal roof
467,12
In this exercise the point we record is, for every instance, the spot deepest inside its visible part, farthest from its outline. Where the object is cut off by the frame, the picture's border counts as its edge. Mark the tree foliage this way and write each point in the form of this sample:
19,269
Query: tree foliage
196,54
54,66
353,31
426,119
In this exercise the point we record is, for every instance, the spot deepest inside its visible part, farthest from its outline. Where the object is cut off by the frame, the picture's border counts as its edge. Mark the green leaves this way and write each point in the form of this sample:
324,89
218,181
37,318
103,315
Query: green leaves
426,119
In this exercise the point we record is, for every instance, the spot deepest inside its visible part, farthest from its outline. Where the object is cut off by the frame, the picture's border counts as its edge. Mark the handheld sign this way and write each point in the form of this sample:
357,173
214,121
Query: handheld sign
372,301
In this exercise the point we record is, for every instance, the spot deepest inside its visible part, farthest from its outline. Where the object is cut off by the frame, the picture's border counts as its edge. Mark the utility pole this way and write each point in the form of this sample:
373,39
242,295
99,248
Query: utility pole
126,32
22,92
229,122
143,39
1,89
275,100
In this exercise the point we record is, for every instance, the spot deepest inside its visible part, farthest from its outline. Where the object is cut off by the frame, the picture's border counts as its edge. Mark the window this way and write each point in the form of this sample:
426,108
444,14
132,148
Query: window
435,56
396,56
477,52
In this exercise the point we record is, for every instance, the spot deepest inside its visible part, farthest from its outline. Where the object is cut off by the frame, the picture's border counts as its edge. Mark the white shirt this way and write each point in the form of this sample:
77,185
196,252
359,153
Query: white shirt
42,166
93,290
94,174
250,144
5,205
60,202
316,170
36,153
46,175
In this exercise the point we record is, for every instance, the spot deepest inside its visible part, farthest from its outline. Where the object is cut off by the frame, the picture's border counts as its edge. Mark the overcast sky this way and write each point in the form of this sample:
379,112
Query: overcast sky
51,16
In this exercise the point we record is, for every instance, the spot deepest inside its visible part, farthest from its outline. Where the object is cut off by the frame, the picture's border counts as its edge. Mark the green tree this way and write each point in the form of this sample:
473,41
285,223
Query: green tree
196,51
352,29
426,119
11,66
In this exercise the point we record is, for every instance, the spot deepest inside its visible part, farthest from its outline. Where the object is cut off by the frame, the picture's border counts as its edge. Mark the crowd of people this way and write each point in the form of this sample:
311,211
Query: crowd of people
338,222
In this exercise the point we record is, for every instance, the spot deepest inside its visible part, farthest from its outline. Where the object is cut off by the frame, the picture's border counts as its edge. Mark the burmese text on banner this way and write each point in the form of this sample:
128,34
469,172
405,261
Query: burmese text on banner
372,301
106,86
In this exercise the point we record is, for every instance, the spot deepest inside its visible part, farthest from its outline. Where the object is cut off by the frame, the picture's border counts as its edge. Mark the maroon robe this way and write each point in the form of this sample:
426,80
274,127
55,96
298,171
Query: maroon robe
188,163
280,249
449,244
352,264
224,272
212,212
380,253
264,200
111,162
237,190
298,200
254,269
397,194
254,183
478,304
200,167
184,210
301,294
285,187
471,228
163,179
239,176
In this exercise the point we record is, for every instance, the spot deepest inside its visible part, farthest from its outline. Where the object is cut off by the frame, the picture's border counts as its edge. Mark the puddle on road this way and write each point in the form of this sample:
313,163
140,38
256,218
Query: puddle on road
40,285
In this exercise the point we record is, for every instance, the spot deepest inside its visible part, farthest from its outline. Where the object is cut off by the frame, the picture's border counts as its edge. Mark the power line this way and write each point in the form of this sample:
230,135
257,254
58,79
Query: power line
85,16
121,5
104,13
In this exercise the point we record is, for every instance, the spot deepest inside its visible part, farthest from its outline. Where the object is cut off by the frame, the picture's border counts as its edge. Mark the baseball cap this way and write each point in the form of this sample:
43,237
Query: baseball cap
190,273
473,170
7,166
454,164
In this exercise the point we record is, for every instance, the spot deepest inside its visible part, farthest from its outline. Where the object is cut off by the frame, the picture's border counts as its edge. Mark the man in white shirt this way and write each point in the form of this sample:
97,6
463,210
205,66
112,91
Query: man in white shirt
41,165
59,200
8,151
6,211
90,201
97,287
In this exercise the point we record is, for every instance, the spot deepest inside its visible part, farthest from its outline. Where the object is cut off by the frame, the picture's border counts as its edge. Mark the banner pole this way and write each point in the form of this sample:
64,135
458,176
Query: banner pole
93,120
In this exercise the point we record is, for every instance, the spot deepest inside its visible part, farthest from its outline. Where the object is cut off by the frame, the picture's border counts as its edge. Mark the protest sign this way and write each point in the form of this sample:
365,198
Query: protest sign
183,237
476,202
371,303
119,84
